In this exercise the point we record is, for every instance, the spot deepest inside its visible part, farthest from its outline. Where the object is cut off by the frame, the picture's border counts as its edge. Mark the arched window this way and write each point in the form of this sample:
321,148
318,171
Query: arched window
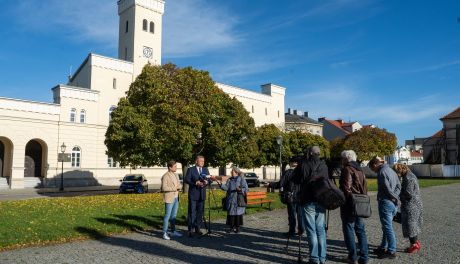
144,25
266,111
152,27
73,113
76,157
82,116
112,108
127,26
252,109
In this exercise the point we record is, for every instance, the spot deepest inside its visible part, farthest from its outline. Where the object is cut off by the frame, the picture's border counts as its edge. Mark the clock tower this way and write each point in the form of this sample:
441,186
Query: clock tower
140,32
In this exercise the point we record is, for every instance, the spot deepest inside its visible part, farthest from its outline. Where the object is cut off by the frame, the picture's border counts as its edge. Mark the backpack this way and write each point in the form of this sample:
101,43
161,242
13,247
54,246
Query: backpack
325,191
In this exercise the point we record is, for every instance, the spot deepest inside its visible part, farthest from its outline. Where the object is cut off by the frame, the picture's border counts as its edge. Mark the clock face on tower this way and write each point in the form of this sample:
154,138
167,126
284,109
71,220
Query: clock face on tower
148,52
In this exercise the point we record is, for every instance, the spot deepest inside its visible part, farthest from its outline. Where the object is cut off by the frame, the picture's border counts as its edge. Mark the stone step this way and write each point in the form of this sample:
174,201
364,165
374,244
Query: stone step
32,182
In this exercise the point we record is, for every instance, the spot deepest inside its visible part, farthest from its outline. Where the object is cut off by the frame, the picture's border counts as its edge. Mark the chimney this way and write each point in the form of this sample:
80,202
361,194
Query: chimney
340,121
295,112
305,114
290,111
321,119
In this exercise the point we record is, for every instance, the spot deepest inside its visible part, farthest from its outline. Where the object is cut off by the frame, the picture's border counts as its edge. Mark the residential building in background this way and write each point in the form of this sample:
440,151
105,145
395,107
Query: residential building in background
296,120
333,129
444,146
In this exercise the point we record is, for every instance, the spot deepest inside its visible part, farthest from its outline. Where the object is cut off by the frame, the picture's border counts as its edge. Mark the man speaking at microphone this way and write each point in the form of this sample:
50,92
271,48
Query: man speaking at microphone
196,179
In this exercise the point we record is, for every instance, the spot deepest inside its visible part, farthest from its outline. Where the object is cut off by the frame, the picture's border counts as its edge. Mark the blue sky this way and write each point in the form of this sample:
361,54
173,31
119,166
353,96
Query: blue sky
391,63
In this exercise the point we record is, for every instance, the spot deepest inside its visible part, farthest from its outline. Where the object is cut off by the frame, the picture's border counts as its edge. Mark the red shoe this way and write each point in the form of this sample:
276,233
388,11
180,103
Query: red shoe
413,248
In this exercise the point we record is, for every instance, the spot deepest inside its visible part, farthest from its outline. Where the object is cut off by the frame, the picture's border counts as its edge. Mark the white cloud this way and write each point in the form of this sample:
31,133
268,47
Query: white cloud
436,67
350,102
83,20
190,27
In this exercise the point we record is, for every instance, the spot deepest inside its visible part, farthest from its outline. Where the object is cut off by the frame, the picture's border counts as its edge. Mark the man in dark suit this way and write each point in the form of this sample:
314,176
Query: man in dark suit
196,195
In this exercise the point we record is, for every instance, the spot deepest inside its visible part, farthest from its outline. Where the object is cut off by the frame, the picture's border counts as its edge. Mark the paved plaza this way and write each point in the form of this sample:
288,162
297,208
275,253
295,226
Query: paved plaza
261,241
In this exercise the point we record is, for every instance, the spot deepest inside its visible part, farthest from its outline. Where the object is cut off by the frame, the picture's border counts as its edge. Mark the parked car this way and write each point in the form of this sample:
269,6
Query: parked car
134,183
252,179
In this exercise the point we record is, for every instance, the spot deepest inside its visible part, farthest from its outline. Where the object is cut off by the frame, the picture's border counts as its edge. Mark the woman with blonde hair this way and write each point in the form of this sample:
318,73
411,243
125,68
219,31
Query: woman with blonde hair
235,186
411,207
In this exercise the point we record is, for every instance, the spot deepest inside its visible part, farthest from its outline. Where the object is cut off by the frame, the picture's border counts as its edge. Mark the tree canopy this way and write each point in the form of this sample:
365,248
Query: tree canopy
367,143
177,113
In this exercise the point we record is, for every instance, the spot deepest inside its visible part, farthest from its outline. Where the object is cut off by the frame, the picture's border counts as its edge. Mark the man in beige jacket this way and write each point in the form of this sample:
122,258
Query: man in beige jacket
170,187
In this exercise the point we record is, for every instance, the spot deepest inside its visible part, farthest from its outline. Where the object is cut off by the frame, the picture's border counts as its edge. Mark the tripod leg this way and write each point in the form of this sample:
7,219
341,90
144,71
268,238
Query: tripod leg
299,257
287,242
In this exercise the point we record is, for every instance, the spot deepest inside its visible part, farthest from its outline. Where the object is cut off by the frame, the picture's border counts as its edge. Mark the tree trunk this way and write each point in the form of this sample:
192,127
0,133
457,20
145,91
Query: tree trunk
184,172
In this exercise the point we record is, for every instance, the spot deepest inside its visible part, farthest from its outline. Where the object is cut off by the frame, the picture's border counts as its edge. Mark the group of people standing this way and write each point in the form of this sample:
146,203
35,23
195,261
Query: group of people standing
198,178
305,213
391,195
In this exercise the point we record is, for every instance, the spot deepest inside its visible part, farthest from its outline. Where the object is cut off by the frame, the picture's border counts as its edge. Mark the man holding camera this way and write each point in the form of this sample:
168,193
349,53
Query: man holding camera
196,179
290,191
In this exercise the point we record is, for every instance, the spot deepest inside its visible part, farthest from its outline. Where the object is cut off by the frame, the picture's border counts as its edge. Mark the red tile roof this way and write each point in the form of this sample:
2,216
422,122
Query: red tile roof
338,125
452,115
415,154
438,134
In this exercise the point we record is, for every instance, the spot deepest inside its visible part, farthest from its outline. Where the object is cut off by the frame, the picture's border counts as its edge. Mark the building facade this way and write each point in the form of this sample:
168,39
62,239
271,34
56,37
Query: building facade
444,146
33,133
300,121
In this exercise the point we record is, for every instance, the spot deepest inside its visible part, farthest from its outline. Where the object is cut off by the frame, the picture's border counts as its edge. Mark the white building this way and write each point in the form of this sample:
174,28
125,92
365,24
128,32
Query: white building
31,133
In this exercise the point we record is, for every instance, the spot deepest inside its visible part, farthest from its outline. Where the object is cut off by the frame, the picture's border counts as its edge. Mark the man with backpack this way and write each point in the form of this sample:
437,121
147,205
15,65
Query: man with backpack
310,170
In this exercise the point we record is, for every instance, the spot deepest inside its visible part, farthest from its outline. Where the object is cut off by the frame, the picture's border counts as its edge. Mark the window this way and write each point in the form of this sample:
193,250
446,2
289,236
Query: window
152,27
111,163
82,116
112,108
144,25
73,113
278,114
76,157
127,26
266,111
253,109
114,83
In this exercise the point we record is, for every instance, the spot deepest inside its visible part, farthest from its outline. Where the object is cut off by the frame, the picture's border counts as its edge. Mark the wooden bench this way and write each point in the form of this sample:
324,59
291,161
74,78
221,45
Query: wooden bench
259,198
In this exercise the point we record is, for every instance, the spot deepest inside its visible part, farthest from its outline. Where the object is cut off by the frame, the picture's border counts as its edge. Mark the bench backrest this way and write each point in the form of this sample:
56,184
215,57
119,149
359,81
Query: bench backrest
256,195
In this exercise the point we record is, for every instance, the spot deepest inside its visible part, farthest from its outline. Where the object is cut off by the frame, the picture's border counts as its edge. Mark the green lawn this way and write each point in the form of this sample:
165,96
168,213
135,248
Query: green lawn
372,183
54,220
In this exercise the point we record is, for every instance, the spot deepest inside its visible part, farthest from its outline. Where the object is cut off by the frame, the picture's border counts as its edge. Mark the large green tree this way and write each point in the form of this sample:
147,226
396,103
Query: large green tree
177,113
367,143
268,147
297,142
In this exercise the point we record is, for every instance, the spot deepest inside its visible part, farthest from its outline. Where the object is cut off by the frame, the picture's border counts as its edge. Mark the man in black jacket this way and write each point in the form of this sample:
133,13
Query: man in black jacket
291,191
310,169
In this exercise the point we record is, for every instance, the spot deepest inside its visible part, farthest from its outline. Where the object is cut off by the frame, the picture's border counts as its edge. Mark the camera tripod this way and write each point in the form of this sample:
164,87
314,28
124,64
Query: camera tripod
207,224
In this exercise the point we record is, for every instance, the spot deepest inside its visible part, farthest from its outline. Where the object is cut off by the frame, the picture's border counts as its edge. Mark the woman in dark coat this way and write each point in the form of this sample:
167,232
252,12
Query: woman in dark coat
235,185
411,207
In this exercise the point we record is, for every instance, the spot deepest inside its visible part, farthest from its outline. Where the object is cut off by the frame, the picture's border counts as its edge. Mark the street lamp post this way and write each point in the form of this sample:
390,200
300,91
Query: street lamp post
279,140
63,147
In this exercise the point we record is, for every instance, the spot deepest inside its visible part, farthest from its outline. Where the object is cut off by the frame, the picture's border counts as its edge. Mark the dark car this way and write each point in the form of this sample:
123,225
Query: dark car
252,179
134,183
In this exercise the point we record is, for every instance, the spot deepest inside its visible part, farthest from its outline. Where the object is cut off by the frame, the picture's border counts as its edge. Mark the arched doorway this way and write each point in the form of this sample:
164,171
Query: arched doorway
33,161
2,157
6,157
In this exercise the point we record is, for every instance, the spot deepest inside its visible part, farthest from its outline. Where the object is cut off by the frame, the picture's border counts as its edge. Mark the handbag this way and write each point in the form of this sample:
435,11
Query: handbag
361,205
241,199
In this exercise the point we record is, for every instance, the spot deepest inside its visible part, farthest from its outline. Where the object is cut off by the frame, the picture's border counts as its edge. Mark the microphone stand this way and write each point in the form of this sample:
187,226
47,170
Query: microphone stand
209,232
